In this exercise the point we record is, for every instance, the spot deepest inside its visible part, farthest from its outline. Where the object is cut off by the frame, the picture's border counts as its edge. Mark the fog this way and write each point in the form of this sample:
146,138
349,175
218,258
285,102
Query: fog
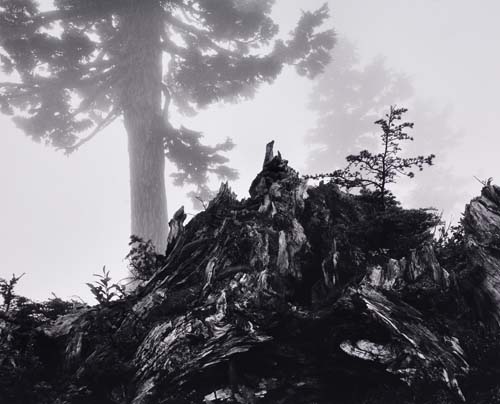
63,218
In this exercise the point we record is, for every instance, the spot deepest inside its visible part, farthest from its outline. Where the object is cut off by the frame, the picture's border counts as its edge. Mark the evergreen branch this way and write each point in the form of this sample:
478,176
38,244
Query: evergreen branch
107,80
100,126
201,35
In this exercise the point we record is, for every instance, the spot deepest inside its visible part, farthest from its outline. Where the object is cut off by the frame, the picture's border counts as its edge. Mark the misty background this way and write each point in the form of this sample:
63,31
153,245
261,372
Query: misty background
63,218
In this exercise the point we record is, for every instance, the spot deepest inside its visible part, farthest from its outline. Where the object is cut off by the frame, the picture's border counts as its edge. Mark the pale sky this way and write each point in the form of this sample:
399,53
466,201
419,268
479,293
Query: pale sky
63,218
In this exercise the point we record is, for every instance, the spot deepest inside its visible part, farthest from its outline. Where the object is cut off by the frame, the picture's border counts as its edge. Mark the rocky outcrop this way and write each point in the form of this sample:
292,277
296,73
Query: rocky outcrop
482,227
265,300
397,274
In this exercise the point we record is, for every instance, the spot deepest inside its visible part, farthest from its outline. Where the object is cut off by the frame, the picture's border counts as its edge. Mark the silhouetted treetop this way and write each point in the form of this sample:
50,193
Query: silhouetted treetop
376,170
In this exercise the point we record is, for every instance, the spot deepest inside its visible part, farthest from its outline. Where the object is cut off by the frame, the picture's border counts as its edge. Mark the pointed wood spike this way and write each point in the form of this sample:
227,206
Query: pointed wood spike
269,153
176,225
180,216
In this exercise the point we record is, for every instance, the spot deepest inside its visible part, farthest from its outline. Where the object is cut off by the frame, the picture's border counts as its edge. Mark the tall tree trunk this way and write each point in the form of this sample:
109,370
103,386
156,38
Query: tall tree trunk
141,102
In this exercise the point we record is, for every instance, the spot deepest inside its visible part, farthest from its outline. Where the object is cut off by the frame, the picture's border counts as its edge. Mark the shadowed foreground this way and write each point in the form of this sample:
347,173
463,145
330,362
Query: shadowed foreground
280,298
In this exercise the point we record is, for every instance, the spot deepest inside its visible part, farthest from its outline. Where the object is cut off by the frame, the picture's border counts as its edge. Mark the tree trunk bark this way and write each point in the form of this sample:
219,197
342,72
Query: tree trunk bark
141,101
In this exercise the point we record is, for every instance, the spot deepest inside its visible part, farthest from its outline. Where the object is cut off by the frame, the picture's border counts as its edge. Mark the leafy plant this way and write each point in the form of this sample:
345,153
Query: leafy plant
143,259
7,291
395,229
24,375
103,290
450,246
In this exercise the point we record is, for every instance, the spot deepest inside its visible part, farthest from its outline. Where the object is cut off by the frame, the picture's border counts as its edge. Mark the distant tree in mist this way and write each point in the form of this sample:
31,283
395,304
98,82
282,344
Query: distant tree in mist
78,67
351,95
348,99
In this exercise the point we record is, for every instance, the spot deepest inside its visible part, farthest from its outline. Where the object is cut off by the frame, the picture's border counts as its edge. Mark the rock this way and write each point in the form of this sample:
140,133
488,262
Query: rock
396,274
413,351
482,233
267,300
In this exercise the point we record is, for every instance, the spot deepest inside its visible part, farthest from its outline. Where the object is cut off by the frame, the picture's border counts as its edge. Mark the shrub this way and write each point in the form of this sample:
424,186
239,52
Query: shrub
103,290
143,259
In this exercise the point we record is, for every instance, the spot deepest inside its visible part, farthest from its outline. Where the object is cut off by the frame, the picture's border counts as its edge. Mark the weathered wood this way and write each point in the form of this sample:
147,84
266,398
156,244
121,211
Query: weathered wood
269,153
482,224
260,302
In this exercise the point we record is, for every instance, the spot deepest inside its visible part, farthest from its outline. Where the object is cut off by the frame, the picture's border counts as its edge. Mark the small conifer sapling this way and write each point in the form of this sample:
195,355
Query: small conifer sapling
377,170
